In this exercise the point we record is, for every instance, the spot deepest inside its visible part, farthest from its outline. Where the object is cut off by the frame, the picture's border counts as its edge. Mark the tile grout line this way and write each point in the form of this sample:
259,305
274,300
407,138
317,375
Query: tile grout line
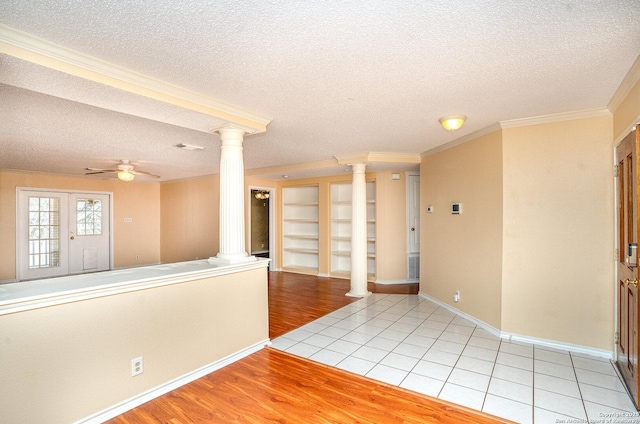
584,407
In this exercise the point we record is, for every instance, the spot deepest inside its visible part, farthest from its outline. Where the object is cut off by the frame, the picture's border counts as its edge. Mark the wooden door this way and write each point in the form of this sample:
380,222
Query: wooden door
627,200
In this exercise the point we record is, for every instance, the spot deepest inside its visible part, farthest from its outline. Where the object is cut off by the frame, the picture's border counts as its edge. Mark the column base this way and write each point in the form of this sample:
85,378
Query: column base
352,294
231,260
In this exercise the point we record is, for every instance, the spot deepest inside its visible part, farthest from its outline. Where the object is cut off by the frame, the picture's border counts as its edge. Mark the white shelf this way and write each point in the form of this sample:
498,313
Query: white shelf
301,236
301,204
301,250
341,229
300,229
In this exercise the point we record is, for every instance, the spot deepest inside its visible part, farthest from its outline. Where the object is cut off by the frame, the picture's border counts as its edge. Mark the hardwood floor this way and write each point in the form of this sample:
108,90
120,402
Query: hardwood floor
271,386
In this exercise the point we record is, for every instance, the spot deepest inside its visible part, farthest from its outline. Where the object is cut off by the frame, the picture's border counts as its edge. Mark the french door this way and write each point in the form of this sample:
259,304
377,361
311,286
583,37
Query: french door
62,233
627,232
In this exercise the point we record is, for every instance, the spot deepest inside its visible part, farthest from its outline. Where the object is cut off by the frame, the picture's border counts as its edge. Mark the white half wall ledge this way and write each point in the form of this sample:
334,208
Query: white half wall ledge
585,350
27,295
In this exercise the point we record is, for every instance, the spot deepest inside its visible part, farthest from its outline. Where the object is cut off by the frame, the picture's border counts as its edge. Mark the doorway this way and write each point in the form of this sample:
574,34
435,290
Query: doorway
261,223
413,227
627,263
61,233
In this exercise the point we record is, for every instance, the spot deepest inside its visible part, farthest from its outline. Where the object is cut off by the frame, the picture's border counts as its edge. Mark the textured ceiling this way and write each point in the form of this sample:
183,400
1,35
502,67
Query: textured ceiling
336,77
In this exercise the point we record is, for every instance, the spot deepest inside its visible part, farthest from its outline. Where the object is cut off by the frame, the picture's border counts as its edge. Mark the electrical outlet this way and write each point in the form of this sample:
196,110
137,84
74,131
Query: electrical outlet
456,296
136,366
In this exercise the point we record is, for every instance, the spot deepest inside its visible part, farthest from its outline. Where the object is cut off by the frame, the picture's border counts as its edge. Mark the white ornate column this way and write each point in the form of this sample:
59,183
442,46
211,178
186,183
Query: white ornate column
231,227
359,232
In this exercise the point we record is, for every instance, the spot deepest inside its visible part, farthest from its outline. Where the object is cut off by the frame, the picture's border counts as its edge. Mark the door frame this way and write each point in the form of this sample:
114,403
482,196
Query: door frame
410,253
616,240
272,222
617,257
66,191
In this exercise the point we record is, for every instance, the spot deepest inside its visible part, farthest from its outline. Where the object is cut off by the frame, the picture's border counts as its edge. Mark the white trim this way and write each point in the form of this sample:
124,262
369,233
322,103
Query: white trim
30,295
555,117
472,136
474,320
601,353
25,42
323,275
392,282
632,77
66,191
521,122
520,338
124,406
272,222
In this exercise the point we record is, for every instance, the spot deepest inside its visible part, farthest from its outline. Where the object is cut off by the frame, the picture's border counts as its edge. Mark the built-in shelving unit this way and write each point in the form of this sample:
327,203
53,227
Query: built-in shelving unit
300,229
341,230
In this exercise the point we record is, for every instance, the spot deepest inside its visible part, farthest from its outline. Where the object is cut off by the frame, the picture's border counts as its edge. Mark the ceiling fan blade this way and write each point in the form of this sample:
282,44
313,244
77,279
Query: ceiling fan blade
148,174
100,169
99,172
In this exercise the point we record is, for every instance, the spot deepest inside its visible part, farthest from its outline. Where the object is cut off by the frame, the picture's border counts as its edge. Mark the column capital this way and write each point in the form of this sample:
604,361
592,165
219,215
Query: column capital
358,168
230,128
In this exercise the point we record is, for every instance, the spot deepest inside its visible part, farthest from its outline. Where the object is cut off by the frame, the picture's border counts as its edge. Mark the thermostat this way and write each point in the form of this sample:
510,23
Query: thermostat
456,208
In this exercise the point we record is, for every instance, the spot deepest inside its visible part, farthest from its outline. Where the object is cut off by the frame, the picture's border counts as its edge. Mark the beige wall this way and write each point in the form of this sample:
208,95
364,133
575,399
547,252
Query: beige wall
189,218
137,200
464,252
535,237
558,232
627,113
64,363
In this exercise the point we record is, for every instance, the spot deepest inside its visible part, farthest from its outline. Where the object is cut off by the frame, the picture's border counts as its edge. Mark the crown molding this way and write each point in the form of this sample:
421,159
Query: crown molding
555,117
279,169
370,157
471,136
523,122
36,50
628,82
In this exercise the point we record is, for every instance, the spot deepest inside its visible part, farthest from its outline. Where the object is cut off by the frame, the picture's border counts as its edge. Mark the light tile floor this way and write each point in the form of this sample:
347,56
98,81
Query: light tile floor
414,343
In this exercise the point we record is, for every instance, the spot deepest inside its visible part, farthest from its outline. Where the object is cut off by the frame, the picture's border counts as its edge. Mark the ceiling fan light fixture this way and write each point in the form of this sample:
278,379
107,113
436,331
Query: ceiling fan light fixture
125,175
452,122
262,194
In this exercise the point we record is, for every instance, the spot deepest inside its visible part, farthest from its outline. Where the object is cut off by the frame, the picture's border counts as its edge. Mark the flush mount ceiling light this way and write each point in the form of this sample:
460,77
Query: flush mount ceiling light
261,194
452,122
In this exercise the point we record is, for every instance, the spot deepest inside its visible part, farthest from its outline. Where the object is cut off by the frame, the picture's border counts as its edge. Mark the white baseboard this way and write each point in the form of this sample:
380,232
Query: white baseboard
322,275
144,397
491,329
600,353
391,282
585,350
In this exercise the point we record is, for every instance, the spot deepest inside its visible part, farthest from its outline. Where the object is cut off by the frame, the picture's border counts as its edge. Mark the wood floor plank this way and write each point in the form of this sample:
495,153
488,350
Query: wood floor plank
271,386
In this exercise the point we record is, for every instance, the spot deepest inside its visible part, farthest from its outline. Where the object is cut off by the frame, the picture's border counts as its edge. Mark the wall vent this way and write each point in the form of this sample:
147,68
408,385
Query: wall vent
414,267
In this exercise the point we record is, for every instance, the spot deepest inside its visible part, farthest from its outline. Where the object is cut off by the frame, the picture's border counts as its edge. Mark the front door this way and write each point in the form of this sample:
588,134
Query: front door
627,200
61,233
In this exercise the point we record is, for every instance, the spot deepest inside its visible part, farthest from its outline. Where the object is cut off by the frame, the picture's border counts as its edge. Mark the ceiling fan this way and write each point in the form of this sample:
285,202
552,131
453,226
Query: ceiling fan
125,171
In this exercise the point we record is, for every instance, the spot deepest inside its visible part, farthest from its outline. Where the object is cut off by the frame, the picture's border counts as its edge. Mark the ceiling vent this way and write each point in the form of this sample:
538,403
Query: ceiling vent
189,147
